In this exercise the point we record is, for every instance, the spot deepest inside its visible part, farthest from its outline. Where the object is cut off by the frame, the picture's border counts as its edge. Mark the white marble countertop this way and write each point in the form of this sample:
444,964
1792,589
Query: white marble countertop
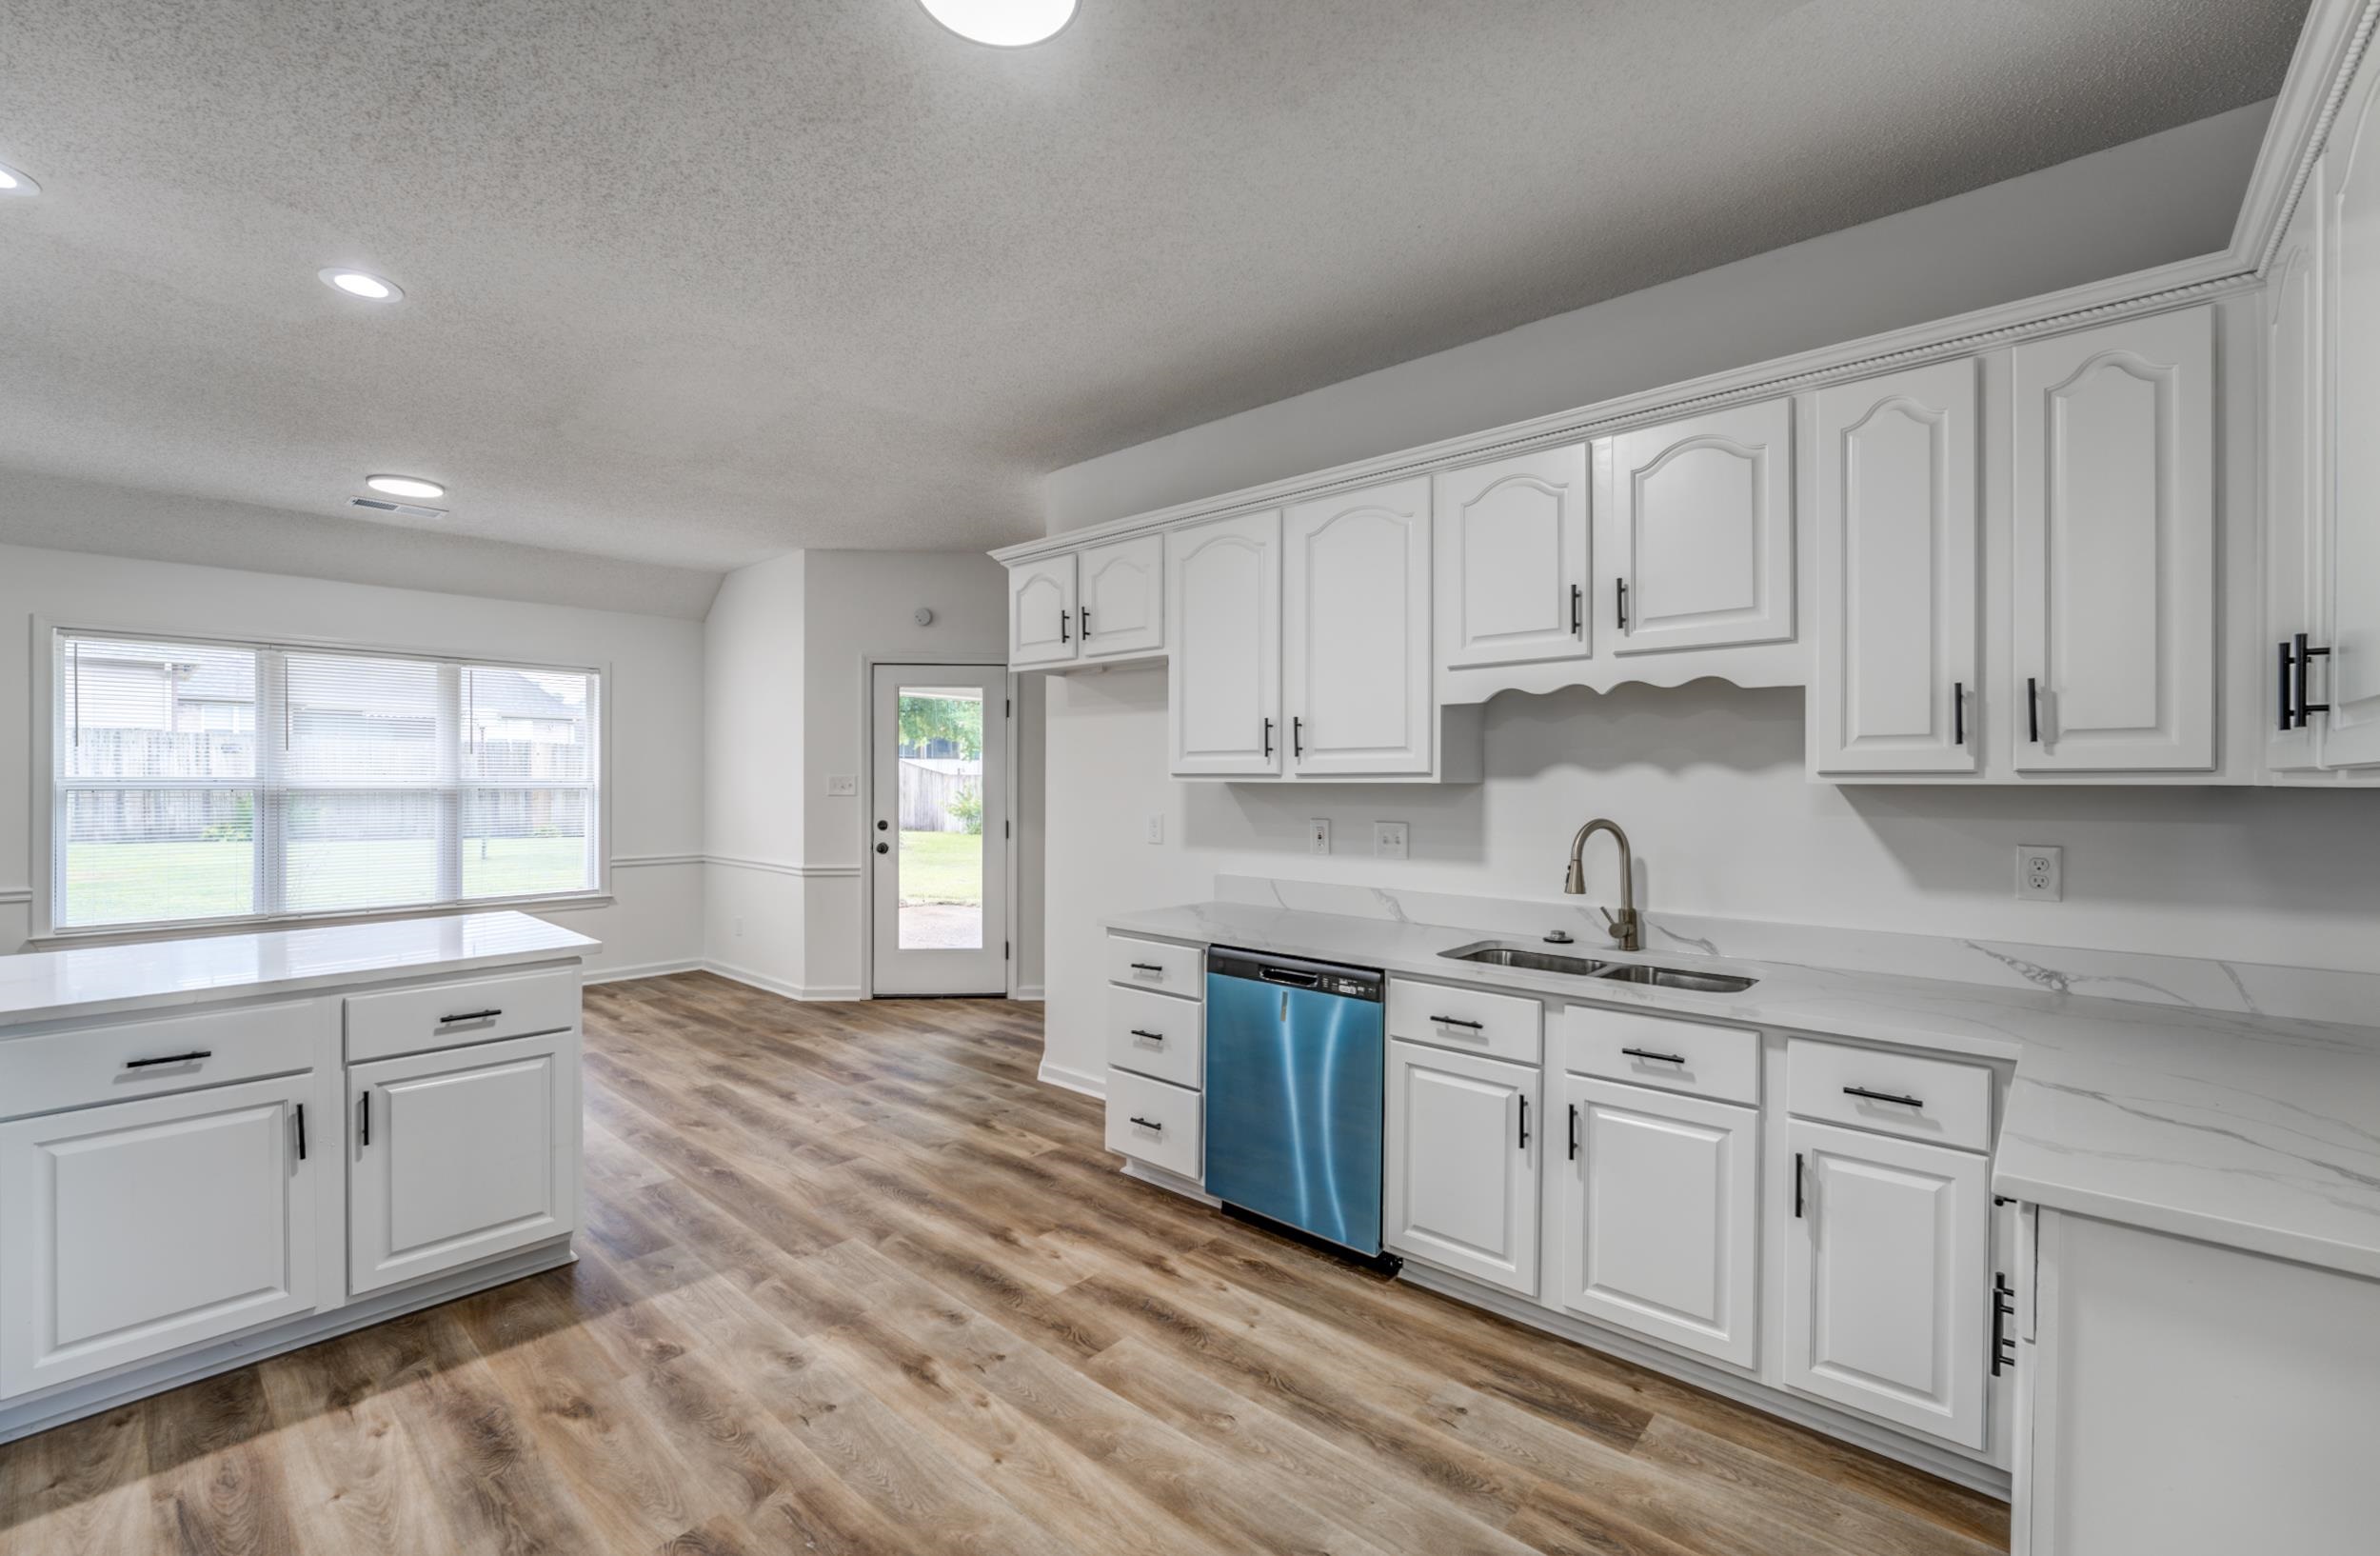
90,981
2258,1132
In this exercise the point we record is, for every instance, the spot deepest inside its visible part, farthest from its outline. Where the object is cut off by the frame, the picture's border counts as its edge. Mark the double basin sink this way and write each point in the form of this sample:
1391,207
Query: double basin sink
1500,953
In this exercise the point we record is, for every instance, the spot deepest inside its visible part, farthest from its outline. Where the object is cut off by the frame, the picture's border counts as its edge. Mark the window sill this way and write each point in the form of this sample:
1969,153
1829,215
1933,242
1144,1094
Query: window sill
133,934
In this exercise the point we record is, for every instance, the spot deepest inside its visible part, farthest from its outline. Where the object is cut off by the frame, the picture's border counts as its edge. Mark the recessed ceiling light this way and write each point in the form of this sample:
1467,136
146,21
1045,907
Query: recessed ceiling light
362,284
1007,24
404,485
14,182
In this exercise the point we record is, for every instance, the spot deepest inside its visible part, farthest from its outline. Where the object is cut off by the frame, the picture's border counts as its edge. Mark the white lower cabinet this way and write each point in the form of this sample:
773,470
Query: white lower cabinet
136,1228
1660,1216
459,1155
1463,1139
1886,1291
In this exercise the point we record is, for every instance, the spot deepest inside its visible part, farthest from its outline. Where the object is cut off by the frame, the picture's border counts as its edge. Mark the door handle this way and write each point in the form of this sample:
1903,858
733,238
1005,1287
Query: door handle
883,848
1066,623
2288,659
1268,737
1297,737
1573,1132
1578,611
363,1119
1623,602
1648,1053
1456,1020
470,1015
1153,1037
301,1131
1085,612
1797,1200
2032,708
1524,1121
1958,712
2306,657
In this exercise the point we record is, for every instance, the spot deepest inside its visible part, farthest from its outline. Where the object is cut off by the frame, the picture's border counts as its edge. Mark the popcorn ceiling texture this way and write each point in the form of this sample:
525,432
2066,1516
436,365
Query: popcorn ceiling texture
695,285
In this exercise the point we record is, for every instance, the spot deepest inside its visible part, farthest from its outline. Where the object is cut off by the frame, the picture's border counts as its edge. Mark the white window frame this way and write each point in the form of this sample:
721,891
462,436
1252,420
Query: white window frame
43,861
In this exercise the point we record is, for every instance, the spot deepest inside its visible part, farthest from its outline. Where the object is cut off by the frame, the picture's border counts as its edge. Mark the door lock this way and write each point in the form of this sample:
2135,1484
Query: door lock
883,848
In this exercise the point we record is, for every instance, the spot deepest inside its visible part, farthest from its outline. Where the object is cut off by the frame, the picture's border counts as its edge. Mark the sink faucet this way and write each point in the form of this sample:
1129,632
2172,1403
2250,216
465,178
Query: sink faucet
1627,931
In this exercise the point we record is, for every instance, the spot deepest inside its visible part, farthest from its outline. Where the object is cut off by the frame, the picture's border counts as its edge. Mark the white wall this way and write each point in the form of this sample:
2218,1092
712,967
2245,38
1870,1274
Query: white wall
753,922
655,711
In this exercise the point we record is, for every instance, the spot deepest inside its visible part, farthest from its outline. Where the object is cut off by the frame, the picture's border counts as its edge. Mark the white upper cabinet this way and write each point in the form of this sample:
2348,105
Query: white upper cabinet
1460,1157
1885,1292
1042,611
1897,574
1512,560
2294,478
1223,588
1123,609
1700,533
1354,629
2350,562
2114,594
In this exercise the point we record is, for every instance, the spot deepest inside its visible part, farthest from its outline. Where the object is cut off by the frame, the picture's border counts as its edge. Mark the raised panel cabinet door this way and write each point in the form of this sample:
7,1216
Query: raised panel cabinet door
139,1227
2349,563
1124,597
1898,572
1701,534
1660,1216
2293,474
1223,597
1463,1148
1042,611
460,1156
1356,660
2113,610
1512,580
1887,1284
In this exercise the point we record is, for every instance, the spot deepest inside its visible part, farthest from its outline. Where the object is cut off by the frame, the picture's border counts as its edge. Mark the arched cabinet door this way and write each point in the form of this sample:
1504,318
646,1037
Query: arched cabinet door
1512,581
1042,611
1223,597
1356,657
1700,534
1122,607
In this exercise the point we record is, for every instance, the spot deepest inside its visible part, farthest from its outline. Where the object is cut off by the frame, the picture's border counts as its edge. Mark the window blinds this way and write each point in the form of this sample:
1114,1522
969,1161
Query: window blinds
198,781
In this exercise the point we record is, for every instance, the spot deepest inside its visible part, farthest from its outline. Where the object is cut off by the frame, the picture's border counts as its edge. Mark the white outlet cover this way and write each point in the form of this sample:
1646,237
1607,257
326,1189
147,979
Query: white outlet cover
1318,835
1157,827
2040,873
1388,840
841,785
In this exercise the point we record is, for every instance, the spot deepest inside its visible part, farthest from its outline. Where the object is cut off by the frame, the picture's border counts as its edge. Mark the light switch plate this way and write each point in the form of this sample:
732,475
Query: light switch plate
2040,873
1388,840
1318,835
839,784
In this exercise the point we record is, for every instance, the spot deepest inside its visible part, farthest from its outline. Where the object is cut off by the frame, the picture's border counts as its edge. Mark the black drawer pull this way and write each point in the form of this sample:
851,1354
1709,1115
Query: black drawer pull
470,1015
363,1119
2003,1308
191,1058
1648,1053
1958,712
1458,1021
301,1127
1881,1096
1148,966
1148,1124
1524,1121
1154,1037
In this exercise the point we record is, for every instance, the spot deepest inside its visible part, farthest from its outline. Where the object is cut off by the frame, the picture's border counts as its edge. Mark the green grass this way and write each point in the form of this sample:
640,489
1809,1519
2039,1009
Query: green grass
130,883
942,867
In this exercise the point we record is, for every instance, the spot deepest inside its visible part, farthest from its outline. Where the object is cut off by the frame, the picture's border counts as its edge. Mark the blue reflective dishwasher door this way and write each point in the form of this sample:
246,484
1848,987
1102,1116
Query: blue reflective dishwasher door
1294,1079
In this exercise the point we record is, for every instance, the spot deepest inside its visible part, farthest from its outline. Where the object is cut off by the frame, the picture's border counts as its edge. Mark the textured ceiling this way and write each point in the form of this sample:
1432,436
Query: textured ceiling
697,284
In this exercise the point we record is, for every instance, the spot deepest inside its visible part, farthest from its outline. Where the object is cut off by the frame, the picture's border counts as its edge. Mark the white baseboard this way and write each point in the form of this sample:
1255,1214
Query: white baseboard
1033,993
778,986
1173,1183
1074,1080
640,970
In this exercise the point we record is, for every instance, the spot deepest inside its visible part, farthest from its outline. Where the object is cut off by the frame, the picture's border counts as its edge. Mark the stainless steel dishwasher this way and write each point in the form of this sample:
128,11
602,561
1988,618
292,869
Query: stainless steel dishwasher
1294,1078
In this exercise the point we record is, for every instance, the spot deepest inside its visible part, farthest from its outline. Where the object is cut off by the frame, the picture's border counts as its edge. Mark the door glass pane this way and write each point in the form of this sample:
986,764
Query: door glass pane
941,818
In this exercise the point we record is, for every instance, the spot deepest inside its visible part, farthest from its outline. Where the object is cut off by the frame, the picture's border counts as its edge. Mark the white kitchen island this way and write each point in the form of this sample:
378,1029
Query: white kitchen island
213,1149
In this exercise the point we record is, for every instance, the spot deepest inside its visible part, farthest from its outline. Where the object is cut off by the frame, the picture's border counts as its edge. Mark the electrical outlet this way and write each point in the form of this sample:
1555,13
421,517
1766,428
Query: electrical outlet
1388,840
1157,827
1318,835
2040,871
739,929
840,785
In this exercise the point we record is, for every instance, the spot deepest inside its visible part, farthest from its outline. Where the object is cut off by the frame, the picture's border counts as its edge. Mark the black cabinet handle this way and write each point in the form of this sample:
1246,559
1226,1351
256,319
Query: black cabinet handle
1958,712
363,1119
2306,657
1881,1096
2288,660
470,1015
1154,1037
1578,611
1458,1021
1148,1124
1148,966
1524,1121
1798,1199
301,1128
1268,737
2032,708
1573,1132
1648,1053
1623,602
1297,737
191,1058
2003,1308
1065,620
1086,622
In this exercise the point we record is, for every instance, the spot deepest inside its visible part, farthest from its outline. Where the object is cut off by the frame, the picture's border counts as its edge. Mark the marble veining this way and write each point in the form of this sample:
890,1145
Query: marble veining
2250,1129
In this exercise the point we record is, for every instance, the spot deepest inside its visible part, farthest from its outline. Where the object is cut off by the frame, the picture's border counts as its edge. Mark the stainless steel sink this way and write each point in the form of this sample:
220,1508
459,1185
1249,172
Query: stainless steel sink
1498,954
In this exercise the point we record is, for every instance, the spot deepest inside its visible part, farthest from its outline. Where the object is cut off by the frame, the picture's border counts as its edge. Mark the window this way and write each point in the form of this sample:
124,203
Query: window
197,781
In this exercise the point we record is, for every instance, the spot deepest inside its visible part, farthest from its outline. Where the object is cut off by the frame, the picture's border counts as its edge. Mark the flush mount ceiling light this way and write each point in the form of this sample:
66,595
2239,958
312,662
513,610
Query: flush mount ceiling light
363,284
14,182
404,485
1004,24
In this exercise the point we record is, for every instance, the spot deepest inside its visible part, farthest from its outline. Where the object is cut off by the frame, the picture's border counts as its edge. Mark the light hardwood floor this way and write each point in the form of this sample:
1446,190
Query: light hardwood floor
853,1282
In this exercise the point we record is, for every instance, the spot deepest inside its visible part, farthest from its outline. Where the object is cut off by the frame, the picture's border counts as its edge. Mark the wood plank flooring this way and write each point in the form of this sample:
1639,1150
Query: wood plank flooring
853,1282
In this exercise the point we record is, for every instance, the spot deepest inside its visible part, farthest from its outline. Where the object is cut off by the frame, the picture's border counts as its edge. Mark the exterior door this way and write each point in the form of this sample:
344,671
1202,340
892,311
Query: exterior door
460,1156
1462,1154
938,843
1356,658
1042,611
1512,560
1885,1289
136,1228
1701,534
1661,1216
1897,574
2115,549
1123,598
1222,599
2351,565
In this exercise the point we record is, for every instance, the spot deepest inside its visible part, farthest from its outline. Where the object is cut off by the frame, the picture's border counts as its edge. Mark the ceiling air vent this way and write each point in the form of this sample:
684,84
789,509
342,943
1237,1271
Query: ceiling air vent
407,510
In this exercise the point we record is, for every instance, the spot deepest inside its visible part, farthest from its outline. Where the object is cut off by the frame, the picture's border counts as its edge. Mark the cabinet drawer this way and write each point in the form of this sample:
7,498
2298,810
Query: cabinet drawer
1691,1056
1156,964
1499,1026
149,1058
449,1016
1915,1095
1158,1036
1154,1122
